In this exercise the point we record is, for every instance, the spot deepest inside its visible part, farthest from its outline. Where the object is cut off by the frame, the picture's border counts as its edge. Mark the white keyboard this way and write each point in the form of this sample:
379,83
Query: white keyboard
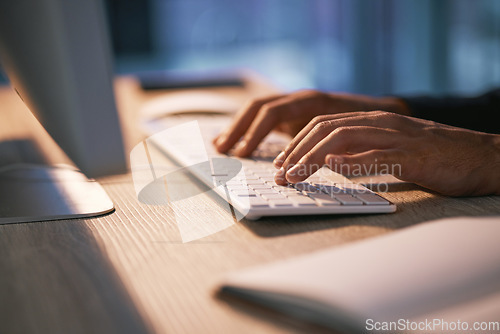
248,184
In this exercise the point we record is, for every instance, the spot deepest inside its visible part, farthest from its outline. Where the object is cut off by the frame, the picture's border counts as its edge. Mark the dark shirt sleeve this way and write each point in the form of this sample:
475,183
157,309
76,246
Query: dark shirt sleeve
479,113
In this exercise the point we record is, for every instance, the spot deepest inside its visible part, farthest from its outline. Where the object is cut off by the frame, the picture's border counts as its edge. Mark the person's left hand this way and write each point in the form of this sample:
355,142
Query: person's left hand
449,160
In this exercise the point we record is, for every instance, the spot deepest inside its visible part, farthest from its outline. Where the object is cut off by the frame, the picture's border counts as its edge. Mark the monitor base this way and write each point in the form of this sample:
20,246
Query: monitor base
33,193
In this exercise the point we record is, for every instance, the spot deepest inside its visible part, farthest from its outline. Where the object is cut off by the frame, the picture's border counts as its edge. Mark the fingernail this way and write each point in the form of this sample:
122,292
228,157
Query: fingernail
278,161
279,177
292,171
220,140
240,147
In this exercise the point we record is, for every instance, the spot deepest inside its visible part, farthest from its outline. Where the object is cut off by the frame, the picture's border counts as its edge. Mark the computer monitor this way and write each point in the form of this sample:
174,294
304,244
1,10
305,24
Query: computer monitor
57,56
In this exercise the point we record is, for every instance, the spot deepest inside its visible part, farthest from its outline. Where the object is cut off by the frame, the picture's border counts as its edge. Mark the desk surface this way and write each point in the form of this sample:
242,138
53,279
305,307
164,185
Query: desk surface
129,272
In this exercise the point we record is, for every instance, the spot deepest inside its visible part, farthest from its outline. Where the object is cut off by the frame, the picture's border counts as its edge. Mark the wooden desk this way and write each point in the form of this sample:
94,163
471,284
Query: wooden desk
129,272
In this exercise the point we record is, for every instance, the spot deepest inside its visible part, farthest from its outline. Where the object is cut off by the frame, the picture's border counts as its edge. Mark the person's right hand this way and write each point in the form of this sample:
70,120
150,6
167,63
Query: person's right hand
449,160
290,113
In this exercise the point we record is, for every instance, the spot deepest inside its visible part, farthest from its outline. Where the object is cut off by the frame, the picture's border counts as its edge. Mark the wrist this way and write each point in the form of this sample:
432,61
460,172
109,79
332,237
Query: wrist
495,162
496,142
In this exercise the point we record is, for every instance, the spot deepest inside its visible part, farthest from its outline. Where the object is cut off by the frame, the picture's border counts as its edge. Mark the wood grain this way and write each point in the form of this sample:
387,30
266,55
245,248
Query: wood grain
130,272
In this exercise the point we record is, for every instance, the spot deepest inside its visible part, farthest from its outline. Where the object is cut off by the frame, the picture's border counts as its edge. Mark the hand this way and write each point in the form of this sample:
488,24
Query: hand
449,160
290,113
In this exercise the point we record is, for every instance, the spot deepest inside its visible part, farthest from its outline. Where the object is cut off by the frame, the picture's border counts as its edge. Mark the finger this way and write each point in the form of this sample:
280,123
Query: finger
292,107
280,177
268,117
351,131
307,130
371,118
391,161
226,140
343,140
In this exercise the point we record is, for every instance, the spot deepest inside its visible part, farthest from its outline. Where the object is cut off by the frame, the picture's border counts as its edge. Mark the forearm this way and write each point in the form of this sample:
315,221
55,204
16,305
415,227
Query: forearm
344,102
476,113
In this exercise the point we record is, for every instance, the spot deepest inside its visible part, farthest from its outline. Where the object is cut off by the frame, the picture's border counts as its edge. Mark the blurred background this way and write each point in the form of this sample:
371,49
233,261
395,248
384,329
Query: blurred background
361,46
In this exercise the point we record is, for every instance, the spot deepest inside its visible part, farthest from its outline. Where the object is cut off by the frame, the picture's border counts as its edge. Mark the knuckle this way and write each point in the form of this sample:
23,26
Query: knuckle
268,110
292,158
342,137
389,115
289,149
306,92
321,128
310,94
319,119
253,103
258,103
342,131
307,157
389,118
258,100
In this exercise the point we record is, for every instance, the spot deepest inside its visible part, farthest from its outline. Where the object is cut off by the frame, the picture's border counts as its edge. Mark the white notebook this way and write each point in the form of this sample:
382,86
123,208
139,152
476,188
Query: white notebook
445,269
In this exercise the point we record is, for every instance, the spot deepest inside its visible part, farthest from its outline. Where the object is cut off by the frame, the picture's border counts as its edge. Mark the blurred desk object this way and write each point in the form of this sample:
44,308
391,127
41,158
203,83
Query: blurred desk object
129,272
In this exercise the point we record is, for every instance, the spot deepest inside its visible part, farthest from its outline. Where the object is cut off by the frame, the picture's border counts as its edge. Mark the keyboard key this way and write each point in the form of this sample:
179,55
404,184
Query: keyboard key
237,186
247,195
234,182
261,173
330,189
243,192
306,186
252,182
266,191
284,188
302,200
370,198
258,202
347,199
260,186
292,193
353,188
280,202
325,200
273,196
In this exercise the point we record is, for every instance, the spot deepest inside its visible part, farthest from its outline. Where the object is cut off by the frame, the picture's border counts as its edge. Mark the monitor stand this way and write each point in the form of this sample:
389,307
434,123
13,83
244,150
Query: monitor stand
30,192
